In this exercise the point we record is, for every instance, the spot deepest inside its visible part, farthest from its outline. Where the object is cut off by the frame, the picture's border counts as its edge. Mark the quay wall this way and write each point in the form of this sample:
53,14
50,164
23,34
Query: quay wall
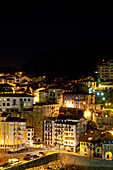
68,158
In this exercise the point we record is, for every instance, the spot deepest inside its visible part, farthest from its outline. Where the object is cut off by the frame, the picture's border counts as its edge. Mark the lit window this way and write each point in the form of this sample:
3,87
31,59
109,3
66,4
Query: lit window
90,138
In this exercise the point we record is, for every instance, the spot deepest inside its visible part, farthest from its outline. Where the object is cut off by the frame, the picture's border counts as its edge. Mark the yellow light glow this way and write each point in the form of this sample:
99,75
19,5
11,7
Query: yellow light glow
111,132
87,114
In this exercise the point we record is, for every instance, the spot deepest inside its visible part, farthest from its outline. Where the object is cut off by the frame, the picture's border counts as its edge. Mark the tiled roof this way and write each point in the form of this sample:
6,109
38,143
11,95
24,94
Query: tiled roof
107,137
90,135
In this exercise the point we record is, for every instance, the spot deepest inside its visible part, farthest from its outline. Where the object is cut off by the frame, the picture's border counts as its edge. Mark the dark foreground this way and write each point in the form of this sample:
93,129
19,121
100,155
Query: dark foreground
62,165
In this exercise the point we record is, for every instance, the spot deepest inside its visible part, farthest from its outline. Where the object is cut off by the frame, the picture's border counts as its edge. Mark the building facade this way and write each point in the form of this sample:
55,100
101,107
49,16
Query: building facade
64,133
15,102
106,71
12,133
82,101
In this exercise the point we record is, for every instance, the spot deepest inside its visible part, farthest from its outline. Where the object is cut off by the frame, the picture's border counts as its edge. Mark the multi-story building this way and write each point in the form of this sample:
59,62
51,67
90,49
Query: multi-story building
54,94
49,131
38,119
79,100
63,132
103,120
42,96
15,102
12,133
49,109
34,118
106,71
29,135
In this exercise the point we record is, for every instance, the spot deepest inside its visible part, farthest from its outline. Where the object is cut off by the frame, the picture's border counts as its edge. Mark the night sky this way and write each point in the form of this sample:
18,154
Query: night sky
58,29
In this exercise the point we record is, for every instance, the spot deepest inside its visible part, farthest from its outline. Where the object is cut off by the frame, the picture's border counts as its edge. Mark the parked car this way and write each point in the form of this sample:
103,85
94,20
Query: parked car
41,154
27,157
35,156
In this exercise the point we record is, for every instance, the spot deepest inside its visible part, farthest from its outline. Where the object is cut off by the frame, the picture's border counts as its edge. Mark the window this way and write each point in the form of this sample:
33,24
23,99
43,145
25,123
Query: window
3,104
29,99
28,138
98,150
8,104
25,99
108,147
8,99
28,134
14,102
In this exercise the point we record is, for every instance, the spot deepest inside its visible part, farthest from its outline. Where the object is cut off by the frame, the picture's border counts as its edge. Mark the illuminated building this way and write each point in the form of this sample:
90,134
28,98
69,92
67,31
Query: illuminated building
29,135
107,146
36,95
15,102
64,132
88,141
34,118
42,96
103,121
38,121
12,133
106,72
79,100
54,94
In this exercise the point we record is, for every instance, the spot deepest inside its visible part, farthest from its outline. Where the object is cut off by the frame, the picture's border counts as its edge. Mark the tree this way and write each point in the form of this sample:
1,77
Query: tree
91,125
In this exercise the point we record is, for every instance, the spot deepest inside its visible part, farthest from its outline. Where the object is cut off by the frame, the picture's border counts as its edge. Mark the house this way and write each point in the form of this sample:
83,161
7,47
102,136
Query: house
88,142
107,146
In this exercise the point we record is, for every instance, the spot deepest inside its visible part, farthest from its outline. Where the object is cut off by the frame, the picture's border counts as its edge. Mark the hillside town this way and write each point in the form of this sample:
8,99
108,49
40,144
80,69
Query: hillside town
75,115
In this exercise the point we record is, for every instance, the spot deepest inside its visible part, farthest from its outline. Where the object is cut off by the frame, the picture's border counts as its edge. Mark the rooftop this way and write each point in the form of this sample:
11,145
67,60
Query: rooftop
107,137
15,119
90,136
15,95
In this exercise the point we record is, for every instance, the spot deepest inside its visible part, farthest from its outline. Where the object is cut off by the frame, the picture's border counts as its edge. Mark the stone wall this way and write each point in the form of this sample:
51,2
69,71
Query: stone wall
37,162
84,161
67,157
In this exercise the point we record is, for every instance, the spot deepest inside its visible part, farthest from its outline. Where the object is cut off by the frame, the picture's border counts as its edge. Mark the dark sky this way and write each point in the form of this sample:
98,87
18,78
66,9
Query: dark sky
28,31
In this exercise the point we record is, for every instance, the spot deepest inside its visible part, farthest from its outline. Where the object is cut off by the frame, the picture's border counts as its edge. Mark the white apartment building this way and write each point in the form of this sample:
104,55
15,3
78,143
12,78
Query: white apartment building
12,133
64,132
15,102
